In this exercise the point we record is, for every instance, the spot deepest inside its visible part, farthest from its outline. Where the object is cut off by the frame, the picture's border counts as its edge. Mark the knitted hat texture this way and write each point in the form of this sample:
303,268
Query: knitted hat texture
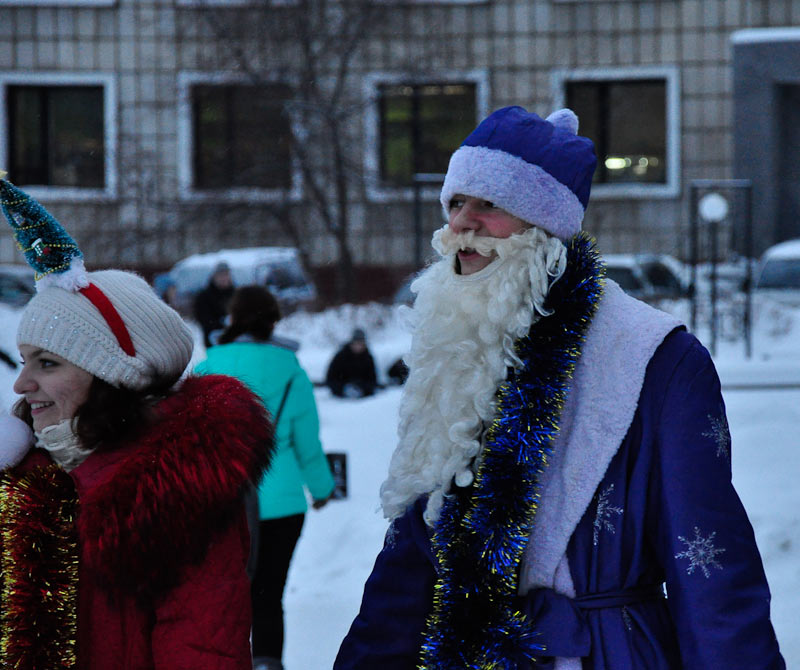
537,169
69,325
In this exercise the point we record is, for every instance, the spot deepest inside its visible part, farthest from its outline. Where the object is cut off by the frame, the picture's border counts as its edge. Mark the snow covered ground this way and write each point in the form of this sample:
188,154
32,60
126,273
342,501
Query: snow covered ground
339,542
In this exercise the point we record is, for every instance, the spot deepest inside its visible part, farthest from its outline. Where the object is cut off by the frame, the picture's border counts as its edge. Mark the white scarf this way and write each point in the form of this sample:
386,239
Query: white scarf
464,329
63,445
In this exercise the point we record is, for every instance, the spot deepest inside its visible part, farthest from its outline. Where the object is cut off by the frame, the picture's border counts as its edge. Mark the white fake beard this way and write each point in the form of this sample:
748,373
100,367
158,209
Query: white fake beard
464,329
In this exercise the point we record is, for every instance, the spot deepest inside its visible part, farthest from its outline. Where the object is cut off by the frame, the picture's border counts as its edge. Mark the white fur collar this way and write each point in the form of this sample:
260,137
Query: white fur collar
621,340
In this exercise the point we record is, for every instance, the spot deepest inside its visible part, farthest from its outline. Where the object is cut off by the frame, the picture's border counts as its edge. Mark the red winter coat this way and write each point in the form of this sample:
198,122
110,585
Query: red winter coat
161,539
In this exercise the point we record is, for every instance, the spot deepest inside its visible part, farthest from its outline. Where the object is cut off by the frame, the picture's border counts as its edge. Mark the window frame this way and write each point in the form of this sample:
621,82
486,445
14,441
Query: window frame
56,79
233,4
186,189
671,76
377,191
401,3
59,3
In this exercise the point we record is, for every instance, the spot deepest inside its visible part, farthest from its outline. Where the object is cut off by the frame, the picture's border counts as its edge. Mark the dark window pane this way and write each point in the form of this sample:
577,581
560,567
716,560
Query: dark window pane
627,122
242,136
56,135
421,126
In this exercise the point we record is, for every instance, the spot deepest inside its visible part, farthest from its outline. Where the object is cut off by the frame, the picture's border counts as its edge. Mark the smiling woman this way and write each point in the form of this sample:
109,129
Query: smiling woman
53,387
128,510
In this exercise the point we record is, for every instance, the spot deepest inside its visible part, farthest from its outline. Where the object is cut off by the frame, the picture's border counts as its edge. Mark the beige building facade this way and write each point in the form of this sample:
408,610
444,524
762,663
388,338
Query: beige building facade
159,128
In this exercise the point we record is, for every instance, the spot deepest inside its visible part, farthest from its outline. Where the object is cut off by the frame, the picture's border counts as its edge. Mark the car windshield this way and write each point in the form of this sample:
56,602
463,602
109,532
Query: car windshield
661,276
625,277
284,275
780,273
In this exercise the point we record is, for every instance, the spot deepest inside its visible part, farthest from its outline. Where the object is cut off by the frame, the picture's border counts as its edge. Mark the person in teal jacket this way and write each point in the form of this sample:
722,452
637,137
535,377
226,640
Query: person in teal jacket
248,351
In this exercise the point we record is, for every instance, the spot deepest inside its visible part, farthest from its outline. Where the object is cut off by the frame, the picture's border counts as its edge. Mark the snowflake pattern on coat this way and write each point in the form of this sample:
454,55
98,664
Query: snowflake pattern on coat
720,433
701,553
602,519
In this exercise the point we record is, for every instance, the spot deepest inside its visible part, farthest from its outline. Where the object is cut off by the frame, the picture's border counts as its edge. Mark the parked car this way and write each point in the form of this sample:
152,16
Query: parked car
278,268
16,284
649,277
778,273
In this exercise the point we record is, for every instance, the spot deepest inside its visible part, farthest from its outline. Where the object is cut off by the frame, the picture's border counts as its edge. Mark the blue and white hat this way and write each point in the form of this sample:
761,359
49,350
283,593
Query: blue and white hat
538,170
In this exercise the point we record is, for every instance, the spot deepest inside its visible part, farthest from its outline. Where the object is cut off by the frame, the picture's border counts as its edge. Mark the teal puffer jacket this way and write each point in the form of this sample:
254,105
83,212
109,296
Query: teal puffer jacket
299,460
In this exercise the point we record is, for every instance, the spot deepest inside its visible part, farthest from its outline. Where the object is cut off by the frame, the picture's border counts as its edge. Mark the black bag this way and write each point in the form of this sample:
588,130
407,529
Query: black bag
251,497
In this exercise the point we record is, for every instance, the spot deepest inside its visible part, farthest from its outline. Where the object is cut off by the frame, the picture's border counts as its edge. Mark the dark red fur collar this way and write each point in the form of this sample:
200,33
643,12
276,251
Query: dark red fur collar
149,508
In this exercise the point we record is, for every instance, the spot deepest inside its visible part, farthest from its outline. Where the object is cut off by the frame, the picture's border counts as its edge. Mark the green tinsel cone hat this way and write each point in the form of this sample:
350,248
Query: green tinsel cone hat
48,248
109,323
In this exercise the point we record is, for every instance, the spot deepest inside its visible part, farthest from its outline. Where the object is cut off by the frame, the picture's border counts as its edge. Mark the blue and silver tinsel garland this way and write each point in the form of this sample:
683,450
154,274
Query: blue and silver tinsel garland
480,538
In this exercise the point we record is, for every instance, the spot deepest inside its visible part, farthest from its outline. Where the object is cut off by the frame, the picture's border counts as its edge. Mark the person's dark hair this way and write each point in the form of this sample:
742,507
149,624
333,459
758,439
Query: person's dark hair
109,415
254,311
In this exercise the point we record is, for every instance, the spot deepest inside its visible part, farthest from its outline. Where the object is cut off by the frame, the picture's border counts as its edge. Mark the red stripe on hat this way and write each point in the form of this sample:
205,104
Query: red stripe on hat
112,317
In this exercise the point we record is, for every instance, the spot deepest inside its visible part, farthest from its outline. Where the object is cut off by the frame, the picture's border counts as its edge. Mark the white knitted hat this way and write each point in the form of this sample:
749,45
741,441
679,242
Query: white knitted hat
110,323
71,325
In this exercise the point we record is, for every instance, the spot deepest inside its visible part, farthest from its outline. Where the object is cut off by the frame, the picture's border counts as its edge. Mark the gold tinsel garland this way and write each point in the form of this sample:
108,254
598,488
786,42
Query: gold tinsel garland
39,569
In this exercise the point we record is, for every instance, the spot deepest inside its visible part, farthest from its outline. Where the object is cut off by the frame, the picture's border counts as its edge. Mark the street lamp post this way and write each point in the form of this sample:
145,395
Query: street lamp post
713,209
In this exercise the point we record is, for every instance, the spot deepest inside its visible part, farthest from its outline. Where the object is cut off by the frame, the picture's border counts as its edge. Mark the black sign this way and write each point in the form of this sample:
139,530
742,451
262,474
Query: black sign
338,465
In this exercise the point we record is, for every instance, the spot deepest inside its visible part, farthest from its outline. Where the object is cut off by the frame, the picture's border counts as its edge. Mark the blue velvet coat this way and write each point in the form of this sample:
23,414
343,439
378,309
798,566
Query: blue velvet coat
664,520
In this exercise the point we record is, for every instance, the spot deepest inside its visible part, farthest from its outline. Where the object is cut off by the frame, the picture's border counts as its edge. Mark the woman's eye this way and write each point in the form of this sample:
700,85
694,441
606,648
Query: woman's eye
455,203
47,363
489,204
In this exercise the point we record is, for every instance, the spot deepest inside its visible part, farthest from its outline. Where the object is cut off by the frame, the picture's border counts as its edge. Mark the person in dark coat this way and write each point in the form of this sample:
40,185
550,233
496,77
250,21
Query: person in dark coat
124,538
560,496
211,304
351,373
398,372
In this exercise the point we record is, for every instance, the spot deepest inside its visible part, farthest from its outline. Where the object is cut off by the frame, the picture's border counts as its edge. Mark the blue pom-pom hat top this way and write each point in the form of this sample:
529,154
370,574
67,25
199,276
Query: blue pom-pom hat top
537,169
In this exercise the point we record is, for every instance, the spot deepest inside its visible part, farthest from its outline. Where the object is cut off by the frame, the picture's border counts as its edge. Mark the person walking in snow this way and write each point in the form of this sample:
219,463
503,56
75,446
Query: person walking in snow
124,541
248,350
560,496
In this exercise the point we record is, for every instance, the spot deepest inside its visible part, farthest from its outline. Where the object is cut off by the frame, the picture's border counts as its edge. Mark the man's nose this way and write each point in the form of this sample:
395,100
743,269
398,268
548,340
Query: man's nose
464,219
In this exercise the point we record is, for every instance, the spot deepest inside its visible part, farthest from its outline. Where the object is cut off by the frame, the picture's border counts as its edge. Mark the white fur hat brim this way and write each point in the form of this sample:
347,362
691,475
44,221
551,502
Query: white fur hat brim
521,188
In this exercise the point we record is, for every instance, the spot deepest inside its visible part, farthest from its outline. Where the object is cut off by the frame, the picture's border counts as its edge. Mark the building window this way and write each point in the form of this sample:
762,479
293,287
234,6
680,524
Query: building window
241,136
420,127
627,120
56,135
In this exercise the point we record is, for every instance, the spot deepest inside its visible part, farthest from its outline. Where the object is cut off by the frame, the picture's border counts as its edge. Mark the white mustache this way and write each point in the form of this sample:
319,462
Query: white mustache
447,242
